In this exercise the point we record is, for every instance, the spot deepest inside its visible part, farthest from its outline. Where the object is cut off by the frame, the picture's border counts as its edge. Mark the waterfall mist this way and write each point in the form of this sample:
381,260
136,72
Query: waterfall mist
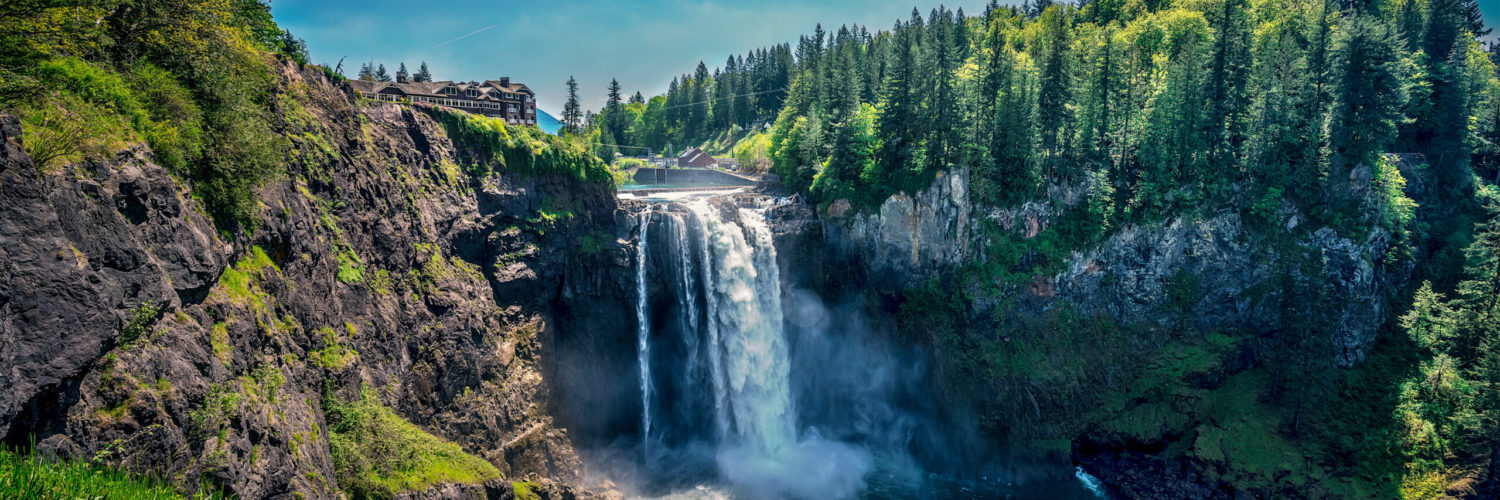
754,386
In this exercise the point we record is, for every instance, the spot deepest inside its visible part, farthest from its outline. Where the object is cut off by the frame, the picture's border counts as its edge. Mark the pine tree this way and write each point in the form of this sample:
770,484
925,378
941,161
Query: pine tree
898,111
1097,112
423,75
1367,92
942,120
614,113
1473,18
1228,96
1437,129
1283,149
367,72
572,115
381,75
402,70
1054,92
695,127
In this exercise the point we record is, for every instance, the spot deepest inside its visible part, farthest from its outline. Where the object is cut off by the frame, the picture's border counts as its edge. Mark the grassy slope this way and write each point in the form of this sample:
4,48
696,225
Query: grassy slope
29,477
378,454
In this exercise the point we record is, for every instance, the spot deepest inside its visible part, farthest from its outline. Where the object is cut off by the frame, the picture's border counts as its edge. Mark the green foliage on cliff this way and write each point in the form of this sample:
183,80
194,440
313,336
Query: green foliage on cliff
31,477
192,79
139,325
378,454
491,145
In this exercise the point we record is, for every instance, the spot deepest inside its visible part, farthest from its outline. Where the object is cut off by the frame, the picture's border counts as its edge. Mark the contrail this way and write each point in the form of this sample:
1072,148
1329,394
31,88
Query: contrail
476,32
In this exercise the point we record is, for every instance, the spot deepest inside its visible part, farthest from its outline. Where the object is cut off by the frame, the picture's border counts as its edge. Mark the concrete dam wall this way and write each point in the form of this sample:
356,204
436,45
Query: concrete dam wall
692,176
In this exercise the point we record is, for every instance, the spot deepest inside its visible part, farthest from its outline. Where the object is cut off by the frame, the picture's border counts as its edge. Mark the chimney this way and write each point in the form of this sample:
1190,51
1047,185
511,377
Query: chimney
400,77
504,81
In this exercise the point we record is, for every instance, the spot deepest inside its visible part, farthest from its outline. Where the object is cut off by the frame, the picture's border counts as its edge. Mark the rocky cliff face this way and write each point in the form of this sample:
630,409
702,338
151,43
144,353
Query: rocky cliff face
912,237
78,251
1215,270
378,265
1212,271
1129,345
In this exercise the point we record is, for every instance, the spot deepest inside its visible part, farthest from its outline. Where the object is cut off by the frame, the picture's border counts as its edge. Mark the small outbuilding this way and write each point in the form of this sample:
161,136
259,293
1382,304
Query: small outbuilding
695,158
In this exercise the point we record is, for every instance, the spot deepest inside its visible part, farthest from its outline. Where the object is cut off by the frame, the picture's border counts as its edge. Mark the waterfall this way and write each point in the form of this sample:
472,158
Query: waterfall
711,327
730,388
687,296
643,332
729,260
715,353
748,346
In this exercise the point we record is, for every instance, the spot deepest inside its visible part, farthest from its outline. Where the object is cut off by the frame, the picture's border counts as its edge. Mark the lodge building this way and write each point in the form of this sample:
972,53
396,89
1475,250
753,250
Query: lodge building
513,102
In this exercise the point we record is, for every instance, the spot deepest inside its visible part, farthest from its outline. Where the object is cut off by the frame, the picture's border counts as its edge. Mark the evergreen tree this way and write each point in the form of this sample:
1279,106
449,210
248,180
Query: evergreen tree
1054,90
1283,151
1228,93
367,72
1098,101
1367,92
1173,148
423,75
898,109
1473,19
381,75
572,114
614,115
695,126
1439,128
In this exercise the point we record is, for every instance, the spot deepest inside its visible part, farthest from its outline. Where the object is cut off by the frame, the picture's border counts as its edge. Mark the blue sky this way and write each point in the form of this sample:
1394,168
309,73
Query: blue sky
644,43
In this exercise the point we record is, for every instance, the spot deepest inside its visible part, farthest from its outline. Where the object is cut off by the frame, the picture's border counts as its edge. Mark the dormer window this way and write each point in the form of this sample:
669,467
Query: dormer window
450,90
472,93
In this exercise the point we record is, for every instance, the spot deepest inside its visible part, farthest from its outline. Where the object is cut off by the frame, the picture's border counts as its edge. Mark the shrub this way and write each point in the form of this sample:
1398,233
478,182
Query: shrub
334,355
92,83
378,454
491,145
175,128
139,324
61,127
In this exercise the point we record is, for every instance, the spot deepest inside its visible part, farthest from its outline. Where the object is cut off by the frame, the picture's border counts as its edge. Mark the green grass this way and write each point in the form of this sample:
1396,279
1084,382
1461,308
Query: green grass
218,337
334,355
523,490
378,454
237,280
350,271
29,477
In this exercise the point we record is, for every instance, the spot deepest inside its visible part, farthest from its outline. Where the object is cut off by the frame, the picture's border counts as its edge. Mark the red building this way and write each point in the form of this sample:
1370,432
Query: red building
695,158
513,102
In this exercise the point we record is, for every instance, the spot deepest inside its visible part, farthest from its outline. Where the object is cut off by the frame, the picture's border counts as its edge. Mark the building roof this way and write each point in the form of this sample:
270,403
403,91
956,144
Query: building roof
694,155
491,90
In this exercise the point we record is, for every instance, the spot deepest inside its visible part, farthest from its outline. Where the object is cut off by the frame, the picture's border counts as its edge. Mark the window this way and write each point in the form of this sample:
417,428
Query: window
450,90
472,93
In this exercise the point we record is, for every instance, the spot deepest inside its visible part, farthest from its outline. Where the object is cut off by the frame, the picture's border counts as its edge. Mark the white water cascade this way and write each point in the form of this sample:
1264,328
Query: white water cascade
723,378
643,332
